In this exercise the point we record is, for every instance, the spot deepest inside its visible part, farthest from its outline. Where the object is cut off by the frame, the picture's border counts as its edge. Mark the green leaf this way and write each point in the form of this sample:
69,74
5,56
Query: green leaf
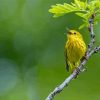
83,9
82,26
80,4
59,9
80,14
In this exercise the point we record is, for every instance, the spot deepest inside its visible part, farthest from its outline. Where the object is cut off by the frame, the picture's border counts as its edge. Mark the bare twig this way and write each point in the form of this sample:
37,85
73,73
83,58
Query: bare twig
81,67
92,35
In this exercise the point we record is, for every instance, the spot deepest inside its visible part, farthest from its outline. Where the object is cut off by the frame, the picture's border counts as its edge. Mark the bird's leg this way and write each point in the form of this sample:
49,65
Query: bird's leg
77,72
84,58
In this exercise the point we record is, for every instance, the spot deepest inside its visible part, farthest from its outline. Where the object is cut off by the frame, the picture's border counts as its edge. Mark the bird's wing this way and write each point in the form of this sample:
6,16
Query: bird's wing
66,60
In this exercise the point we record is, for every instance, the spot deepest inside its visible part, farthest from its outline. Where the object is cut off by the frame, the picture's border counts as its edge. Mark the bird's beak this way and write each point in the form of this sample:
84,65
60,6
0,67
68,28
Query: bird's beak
67,29
69,33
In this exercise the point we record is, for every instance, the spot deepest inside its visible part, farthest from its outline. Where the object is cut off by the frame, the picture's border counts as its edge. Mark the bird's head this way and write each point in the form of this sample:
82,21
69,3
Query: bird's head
74,34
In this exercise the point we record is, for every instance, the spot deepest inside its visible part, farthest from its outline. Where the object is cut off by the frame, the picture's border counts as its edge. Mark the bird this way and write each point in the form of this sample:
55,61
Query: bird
75,50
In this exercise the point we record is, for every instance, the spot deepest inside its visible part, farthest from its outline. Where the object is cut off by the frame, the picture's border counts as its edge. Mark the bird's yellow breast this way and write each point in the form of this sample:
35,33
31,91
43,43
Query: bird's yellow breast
76,49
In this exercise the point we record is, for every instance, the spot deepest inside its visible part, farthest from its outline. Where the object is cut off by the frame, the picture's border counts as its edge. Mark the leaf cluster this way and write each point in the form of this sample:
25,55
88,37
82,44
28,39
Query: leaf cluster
84,9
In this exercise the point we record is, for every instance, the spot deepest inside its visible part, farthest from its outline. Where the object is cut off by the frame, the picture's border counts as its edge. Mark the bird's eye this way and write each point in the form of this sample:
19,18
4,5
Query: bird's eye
74,32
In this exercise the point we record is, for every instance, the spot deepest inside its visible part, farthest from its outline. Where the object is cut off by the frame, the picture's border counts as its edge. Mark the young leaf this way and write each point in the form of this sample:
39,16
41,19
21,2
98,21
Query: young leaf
79,4
80,8
83,25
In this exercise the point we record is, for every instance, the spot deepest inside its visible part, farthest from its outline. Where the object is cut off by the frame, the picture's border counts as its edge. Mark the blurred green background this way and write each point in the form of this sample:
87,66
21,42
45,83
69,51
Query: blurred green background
32,53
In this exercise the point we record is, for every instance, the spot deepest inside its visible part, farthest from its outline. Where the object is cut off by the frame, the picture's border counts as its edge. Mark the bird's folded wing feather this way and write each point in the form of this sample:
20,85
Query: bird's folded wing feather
66,60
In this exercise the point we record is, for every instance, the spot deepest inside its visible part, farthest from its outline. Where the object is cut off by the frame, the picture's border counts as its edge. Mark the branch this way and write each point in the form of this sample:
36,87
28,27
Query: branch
73,75
92,35
81,67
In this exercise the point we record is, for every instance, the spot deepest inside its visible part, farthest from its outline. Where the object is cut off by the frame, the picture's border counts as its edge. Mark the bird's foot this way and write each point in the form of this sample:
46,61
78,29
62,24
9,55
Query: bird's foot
77,72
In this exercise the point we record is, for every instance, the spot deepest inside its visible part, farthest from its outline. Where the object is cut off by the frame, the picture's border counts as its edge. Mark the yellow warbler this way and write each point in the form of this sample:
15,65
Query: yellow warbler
75,49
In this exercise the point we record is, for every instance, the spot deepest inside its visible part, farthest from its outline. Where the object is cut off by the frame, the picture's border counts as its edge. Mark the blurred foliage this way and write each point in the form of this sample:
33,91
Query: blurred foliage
32,53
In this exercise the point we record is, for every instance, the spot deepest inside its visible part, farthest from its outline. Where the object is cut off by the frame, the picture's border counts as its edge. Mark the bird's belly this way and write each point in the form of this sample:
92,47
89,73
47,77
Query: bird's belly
75,52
